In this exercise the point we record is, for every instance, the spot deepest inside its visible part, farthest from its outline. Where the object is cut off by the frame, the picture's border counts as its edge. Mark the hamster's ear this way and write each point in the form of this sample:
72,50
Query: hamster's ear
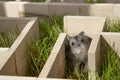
82,33
89,39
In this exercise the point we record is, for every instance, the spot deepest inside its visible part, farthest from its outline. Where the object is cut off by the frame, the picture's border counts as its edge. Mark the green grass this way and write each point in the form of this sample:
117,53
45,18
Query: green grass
40,49
94,1
7,38
49,32
112,26
110,69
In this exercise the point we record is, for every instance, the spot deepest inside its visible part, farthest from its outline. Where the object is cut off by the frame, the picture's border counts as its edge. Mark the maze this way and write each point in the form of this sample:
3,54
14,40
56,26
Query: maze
78,16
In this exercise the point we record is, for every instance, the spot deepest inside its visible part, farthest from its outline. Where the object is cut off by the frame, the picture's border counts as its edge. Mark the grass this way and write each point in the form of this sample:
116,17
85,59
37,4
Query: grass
110,69
94,1
112,26
7,38
40,49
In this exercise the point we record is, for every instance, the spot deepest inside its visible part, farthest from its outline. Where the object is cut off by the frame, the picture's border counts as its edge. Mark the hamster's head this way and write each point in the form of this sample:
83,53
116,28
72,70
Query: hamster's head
76,41
79,43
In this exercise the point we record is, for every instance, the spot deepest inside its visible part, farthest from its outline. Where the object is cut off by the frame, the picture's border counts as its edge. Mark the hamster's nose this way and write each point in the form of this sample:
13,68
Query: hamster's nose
78,45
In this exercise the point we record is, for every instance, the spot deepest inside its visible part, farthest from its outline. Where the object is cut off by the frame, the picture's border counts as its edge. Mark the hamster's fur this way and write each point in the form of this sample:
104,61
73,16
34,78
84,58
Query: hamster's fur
77,51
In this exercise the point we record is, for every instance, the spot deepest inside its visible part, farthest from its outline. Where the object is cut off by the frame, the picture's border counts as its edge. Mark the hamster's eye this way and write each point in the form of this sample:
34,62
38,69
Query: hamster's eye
82,40
72,43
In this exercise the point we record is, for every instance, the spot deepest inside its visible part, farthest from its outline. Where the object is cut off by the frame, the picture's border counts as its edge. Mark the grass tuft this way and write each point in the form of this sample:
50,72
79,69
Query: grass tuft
110,69
95,1
112,25
7,38
40,49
